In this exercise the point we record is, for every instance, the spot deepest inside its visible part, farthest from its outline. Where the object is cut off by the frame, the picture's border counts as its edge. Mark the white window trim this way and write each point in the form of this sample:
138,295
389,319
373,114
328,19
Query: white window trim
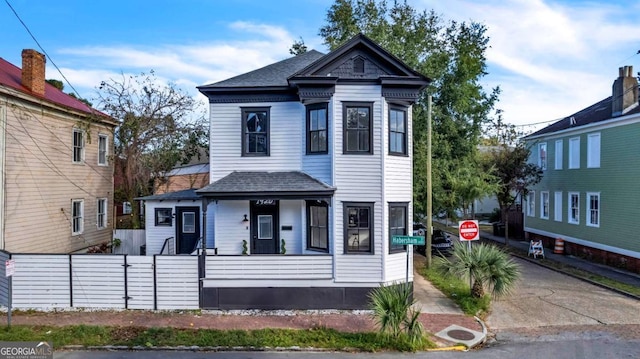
571,165
569,217
81,217
542,162
531,204
104,214
588,199
542,202
557,206
106,150
558,155
82,145
593,154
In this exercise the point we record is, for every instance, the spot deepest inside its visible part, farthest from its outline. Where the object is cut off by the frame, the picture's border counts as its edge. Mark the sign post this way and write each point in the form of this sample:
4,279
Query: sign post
406,241
469,231
10,269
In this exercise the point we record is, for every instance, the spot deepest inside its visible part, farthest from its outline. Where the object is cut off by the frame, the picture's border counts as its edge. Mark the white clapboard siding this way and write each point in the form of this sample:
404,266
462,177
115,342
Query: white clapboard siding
140,282
98,281
230,231
269,267
41,281
4,280
177,282
396,267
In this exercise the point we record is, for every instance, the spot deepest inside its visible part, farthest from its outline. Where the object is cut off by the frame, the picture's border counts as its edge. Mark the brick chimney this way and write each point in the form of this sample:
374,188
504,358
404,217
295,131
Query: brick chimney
33,67
625,92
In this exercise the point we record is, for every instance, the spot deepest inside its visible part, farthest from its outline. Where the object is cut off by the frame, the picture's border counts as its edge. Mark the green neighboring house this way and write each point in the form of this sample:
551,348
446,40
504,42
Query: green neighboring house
590,192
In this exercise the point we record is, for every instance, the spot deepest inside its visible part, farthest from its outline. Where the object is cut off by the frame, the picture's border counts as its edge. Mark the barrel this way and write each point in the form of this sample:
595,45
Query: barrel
559,247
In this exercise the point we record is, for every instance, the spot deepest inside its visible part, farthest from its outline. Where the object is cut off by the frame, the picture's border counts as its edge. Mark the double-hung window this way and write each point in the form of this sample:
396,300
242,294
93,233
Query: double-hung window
255,131
77,217
317,129
78,145
397,130
317,226
593,150
531,204
593,205
357,128
542,156
101,218
544,205
358,227
397,224
574,208
102,150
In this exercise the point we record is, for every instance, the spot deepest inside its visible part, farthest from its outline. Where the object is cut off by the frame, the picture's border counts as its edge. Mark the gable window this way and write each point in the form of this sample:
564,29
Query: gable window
358,65
593,150
78,145
544,205
101,217
358,134
164,217
397,224
542,156
557,206
358,231
531,204
255,131
558,157
574,153
397,131
593,204
77,217
317,226
574,208
102,150
317,128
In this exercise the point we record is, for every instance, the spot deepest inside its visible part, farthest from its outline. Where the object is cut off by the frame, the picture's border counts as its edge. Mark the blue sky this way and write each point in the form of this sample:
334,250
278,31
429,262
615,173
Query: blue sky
550,57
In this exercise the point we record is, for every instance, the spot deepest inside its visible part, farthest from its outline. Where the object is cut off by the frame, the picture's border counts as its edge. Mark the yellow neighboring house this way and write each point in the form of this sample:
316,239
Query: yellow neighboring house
57,169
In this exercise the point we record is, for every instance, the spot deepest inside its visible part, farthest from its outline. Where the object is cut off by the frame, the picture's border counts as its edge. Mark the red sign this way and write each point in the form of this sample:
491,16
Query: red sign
469,230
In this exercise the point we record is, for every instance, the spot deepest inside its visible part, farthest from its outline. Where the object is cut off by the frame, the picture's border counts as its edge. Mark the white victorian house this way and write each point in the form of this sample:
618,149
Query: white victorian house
310,156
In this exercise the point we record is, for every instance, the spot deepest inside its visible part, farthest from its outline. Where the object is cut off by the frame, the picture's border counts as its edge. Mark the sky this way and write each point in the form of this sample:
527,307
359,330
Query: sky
550,58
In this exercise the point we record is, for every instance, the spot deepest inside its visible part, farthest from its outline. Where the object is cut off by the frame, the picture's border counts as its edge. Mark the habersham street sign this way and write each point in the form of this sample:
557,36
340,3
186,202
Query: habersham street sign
405,240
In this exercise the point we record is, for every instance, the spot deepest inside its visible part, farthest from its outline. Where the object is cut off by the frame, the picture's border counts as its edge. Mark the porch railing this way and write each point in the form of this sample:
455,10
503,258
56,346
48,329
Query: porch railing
269,267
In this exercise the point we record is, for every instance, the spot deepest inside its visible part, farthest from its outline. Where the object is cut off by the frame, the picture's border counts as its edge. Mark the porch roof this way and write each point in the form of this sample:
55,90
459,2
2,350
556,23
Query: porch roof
187,194
267,185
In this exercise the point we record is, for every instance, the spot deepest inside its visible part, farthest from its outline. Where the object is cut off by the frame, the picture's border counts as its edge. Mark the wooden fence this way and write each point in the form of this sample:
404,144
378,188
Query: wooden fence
130,241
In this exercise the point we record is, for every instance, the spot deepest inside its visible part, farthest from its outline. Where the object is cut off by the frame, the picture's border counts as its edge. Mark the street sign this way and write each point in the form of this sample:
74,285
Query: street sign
469,230
10,267
404,240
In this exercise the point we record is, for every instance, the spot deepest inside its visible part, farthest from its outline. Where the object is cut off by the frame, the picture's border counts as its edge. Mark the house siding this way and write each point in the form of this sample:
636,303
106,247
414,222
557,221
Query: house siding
616,180
156,235
41,181
230,231
319,165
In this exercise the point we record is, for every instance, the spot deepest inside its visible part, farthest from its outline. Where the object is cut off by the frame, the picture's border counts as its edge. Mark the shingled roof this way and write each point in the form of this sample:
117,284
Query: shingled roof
184,195
260,185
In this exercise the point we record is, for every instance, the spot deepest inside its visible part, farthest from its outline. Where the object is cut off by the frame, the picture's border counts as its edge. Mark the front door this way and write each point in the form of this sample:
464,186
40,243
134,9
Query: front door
264,227
187,229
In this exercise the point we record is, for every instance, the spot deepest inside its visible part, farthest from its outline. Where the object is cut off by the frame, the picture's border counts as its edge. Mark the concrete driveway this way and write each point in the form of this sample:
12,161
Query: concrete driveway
547,298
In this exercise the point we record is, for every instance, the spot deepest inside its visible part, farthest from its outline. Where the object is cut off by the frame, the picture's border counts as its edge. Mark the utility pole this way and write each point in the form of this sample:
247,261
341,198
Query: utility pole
427,251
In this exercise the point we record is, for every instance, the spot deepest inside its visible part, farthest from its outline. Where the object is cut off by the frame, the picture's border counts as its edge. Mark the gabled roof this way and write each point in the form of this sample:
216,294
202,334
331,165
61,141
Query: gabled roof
260,185
184,195
11,76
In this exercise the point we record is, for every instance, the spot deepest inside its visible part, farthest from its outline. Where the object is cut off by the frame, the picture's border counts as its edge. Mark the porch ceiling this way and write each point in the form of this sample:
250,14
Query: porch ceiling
267,185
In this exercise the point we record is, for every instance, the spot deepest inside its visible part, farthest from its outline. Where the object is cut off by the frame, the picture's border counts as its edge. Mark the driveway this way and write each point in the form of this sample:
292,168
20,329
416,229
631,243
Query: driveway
545,298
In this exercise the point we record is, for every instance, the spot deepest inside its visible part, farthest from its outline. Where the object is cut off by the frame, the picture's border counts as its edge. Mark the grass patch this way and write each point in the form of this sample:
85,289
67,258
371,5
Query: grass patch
459,291
154,337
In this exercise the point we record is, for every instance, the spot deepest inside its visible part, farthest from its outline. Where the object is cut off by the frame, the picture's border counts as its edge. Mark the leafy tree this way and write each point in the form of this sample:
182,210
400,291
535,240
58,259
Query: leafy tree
159,128
60,86
298,47
452,54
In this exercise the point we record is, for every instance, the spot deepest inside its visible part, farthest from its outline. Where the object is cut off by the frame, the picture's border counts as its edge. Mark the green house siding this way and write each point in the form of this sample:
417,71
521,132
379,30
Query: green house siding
617,181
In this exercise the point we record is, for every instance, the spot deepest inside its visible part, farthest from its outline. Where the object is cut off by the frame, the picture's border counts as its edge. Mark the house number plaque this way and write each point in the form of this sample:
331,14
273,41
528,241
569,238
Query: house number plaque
265,202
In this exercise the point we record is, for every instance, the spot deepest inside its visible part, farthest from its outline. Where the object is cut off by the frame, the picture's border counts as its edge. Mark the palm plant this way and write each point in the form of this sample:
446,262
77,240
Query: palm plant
487,267
392,310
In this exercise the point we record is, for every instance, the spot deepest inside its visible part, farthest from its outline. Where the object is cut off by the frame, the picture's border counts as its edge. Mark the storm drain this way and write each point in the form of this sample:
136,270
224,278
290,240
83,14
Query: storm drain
457,334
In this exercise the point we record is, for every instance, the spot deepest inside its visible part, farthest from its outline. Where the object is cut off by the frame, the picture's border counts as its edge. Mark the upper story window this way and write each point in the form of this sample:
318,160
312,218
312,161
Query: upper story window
397,131
102,150
78,145
77,216
255,131
397,224
317,226
593,150
358,129
558,157
358,65
531,204
317,134
101,214
574,152
358,228
542,156
574,208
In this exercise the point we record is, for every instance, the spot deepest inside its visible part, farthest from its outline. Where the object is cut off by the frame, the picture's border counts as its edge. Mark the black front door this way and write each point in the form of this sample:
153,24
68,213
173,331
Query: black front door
187,229
264,227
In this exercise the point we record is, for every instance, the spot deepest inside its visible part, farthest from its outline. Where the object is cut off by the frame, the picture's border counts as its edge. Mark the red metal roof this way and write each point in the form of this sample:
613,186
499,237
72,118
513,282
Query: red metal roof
11,76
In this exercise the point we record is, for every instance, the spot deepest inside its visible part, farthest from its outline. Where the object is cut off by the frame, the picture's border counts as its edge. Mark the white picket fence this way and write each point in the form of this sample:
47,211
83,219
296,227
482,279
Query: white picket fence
130,241
105,281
